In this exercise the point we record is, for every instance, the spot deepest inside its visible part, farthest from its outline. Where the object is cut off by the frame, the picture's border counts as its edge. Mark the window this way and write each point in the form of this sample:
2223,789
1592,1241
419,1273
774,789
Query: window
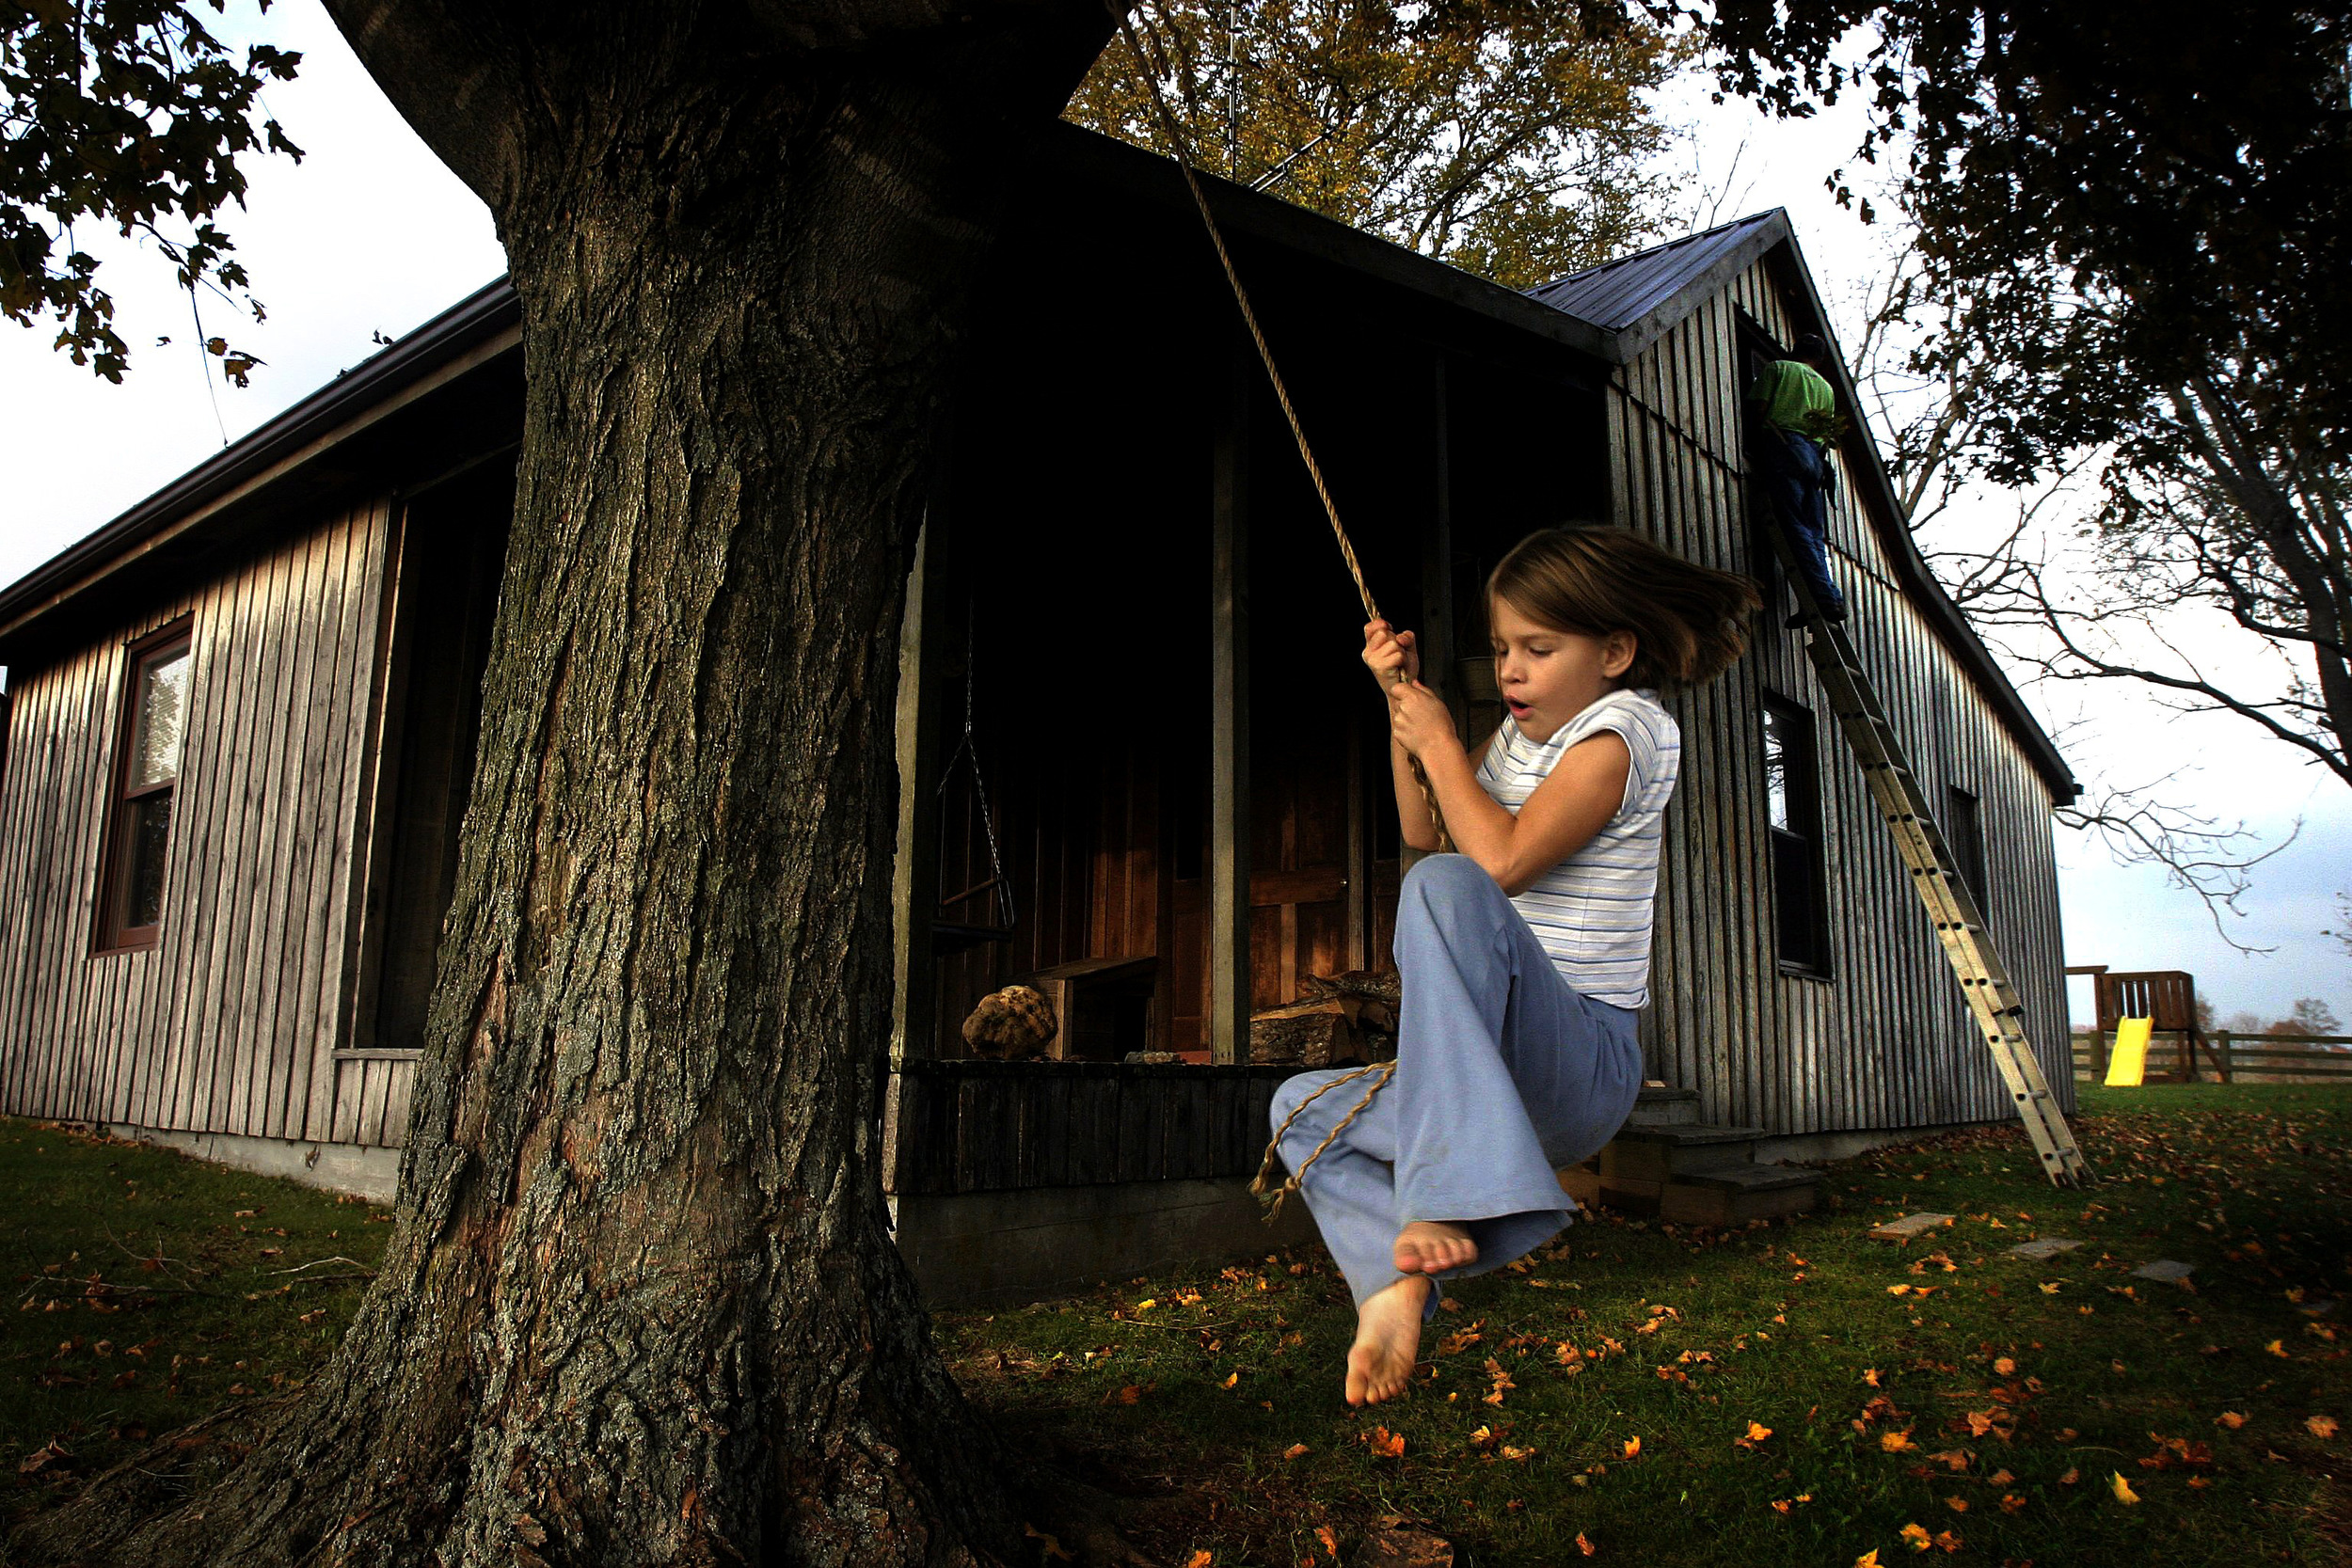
156,701
1793,806
1963,835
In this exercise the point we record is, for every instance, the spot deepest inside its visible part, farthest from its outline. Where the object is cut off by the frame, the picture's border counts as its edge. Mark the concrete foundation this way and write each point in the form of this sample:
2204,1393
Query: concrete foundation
373,1174
982,1249
1817,1148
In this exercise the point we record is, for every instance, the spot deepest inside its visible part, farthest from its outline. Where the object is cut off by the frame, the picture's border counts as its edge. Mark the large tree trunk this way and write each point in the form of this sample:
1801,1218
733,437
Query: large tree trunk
641,1304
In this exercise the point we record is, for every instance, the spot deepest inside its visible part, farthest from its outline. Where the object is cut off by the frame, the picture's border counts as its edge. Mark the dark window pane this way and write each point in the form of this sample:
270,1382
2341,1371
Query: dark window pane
163,699
148,833
1964,832
1792,899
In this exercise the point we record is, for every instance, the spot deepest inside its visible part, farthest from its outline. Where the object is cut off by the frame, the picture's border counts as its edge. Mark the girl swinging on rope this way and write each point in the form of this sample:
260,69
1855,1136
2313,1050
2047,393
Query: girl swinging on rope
1525,955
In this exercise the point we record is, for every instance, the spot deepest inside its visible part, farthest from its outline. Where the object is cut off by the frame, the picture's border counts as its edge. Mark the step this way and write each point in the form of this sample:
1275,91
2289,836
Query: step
1664,1107
1728,1194
1654,1154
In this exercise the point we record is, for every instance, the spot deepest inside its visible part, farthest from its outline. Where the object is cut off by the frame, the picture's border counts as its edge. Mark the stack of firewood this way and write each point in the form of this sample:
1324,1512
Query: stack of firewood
1340,1018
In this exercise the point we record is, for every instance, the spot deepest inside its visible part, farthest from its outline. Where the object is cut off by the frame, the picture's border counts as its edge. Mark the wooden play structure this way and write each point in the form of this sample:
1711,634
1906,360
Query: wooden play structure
2167,999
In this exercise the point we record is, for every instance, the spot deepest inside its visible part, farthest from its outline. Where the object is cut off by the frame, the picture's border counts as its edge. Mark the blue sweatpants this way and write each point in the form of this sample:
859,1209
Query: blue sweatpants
1796,476
1504,1074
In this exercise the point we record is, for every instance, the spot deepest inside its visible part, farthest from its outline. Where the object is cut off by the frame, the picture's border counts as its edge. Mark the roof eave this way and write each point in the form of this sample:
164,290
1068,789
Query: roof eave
482,326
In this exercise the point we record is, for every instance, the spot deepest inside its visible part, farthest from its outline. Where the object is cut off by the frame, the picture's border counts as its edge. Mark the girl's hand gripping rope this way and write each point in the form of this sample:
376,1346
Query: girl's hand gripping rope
1417,719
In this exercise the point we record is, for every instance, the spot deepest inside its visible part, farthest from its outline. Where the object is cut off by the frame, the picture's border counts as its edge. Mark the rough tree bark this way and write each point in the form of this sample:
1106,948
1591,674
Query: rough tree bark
641,1304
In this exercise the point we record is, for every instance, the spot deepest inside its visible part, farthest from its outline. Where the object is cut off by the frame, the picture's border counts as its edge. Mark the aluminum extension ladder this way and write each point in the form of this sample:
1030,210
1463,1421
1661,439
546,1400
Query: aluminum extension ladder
1958,923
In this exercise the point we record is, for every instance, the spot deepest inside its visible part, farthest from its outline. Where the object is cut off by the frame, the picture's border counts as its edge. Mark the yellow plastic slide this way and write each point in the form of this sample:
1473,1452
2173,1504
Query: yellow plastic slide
2129,1064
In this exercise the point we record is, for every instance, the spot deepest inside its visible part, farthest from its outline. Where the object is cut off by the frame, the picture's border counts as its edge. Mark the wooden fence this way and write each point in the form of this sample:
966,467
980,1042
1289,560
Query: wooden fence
2295,1058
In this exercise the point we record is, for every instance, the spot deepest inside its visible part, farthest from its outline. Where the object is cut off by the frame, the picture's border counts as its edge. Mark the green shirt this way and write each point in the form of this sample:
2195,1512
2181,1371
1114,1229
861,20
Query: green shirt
1795,397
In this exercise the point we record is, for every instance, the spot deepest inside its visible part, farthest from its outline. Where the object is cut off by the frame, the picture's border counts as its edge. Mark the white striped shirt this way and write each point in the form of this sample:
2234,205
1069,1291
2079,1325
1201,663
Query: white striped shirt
1593,910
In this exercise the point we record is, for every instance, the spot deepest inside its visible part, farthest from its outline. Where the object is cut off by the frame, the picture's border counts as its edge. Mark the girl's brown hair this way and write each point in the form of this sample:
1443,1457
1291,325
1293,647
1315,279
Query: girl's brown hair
1688,621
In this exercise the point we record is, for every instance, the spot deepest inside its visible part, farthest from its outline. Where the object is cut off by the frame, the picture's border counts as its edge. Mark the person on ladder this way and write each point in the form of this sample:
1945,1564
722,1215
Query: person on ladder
1525,957
1791,429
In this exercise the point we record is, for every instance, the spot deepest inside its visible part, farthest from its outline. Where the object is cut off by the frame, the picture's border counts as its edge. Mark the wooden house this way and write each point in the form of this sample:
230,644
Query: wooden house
1140,763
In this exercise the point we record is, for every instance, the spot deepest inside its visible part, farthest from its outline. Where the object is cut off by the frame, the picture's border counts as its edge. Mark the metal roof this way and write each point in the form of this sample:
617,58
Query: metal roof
1636,298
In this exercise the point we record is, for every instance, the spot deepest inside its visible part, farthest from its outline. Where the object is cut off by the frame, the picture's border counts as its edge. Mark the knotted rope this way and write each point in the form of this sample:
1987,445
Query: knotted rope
1182,146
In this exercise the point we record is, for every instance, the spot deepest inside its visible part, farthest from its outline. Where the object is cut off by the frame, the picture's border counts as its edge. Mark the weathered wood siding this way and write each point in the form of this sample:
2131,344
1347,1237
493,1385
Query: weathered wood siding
1884,1041
229,1024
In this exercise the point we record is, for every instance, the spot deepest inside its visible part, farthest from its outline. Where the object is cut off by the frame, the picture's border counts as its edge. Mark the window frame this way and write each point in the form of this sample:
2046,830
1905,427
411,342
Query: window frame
109,933
1967,847
1802,787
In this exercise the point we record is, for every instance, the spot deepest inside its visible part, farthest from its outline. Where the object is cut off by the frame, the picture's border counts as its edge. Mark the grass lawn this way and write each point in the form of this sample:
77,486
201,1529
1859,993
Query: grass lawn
145,1290
1793,1393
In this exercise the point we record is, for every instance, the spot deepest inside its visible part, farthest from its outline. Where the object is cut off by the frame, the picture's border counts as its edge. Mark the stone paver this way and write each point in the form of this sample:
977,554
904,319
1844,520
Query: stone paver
2165,1271
1909,1225
2044,1247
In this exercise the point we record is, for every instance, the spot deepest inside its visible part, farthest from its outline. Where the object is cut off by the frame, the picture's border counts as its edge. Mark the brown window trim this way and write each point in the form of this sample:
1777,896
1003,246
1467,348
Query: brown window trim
109,934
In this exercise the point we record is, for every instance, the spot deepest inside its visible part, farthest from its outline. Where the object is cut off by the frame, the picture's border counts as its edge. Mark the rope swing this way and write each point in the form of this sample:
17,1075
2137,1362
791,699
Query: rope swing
1264,1181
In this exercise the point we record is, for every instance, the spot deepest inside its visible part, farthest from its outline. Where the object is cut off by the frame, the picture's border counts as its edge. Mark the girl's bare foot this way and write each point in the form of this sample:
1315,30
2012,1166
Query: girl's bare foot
1432,1246
1388,1340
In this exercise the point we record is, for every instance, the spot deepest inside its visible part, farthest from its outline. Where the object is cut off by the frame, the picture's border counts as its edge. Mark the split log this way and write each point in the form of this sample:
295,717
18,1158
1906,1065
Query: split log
1311,1033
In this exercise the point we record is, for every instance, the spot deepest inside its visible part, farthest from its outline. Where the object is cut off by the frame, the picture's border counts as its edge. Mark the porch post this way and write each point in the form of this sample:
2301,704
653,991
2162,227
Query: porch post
1229,722
914,872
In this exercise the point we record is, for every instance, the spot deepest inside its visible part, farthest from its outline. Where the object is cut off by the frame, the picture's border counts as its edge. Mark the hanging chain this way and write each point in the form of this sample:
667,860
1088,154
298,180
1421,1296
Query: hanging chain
980,786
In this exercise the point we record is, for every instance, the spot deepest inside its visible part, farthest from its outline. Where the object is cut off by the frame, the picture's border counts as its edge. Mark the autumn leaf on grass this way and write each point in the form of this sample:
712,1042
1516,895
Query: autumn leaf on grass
2122,1488
1958,1505
1583,1545
1383,1442
1871,1376
2070,1478
1897,1442
2277,1348
1949,1540
1201,1559
2011,1502
1055,1549
1330,1541
2231,1418
1293,1451
1867,1559
1633,1448
1517,1455
1231,1380
2321,1426
1758,1431
1455,1343
2004,1367
1916,1537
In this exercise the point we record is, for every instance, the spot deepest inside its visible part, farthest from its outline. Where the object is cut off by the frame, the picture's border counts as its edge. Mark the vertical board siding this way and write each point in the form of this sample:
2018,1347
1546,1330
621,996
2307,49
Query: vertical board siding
227,1023
1886,1040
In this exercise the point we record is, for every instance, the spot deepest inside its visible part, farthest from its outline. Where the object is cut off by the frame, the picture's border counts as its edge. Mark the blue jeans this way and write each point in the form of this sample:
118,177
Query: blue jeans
1795,475
1504,1074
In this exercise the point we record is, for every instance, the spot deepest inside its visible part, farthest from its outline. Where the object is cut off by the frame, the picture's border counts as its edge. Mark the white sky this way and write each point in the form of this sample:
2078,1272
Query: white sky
371,235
